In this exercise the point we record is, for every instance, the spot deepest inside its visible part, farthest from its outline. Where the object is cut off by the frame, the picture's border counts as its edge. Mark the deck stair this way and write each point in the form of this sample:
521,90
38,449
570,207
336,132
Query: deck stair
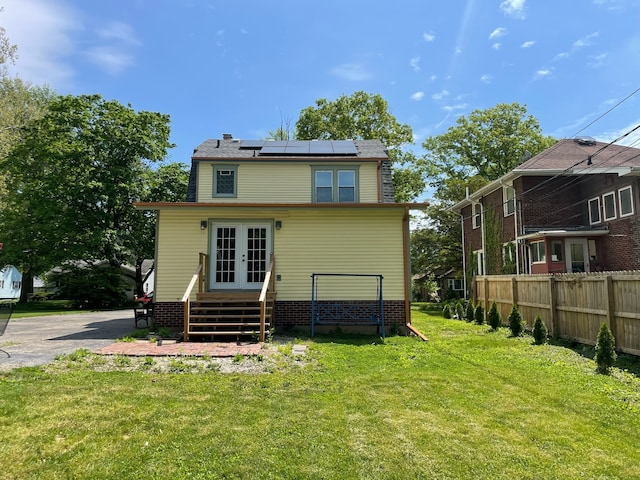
228,315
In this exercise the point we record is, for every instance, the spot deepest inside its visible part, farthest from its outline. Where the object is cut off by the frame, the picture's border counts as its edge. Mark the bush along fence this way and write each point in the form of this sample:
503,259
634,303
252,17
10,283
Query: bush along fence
572,306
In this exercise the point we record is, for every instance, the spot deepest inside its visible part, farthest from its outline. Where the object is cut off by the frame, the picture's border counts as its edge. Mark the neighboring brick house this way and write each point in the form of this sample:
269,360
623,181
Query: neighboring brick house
571,208
314,207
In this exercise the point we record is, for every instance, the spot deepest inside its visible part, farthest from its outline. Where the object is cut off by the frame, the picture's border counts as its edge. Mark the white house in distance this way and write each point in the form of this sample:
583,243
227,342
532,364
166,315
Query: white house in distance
10,283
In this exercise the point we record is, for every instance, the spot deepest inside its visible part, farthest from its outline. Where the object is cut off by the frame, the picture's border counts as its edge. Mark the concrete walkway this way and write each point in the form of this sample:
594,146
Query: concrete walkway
38,340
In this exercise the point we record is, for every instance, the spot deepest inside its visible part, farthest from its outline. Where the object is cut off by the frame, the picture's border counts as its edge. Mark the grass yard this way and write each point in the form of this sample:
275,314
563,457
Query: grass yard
468,404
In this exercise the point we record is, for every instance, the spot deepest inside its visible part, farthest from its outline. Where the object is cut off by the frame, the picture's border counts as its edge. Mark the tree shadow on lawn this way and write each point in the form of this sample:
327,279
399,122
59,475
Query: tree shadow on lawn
355,339
625,361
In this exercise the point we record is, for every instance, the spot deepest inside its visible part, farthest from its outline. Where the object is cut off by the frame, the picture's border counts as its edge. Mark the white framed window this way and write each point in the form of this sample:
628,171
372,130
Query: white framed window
509,195
225,181
16,284
334,184
479,254
625,197
454,284
477,211
537,252
609,205
594,211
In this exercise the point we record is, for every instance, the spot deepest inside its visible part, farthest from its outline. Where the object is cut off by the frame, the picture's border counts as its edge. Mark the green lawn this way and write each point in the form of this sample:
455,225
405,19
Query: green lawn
468,404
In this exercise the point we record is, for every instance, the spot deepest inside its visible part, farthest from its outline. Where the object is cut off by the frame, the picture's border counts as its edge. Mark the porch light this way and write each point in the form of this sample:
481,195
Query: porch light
278,224
203,224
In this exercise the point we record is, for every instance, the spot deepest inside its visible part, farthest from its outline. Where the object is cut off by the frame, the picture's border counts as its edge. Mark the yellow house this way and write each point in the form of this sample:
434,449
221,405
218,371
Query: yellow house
283,234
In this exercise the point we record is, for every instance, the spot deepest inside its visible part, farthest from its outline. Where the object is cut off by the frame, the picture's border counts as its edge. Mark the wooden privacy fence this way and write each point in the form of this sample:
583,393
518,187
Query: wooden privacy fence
571,305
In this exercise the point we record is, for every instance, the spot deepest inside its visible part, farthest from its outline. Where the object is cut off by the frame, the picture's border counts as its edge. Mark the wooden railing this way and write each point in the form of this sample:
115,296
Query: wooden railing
203,277
267,285
197,277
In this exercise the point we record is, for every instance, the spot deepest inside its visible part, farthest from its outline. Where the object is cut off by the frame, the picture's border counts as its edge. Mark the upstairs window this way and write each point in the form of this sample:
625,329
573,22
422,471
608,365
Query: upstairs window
225,181
625,196
594,211
609,203
509,200
16,284
335,185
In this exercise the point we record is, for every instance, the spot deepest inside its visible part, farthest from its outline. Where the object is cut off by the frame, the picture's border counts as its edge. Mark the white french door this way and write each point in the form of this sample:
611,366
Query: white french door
239,255
577,253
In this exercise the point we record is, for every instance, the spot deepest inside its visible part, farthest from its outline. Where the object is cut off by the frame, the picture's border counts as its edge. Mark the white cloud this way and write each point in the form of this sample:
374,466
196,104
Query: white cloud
43,31
597,61
353,72
114,53
585,41
497,33
543,72
417,96
110,59
415,64
441,95
120,32
528,44
452,108
428,37
486,79
513,8
496,46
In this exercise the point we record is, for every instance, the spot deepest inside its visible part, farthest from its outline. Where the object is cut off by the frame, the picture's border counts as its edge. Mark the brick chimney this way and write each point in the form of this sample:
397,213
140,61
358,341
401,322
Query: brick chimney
227,136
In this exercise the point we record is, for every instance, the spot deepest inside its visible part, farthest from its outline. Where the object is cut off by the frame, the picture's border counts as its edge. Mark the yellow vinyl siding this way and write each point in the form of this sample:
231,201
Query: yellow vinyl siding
331,241
328,240
282,182
180,242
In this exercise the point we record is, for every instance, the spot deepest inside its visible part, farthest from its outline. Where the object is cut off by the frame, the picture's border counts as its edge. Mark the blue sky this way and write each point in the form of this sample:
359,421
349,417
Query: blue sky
242,66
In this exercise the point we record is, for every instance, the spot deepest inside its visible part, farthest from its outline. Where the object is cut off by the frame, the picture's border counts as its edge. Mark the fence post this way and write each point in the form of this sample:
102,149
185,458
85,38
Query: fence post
514,290
611,318
486,296
552,307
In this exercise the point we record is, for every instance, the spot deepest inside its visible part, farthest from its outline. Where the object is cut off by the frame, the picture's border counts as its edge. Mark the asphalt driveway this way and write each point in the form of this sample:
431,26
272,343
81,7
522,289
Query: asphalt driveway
38,340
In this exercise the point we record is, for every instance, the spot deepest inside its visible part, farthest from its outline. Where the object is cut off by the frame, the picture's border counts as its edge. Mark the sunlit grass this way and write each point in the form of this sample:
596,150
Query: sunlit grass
469,404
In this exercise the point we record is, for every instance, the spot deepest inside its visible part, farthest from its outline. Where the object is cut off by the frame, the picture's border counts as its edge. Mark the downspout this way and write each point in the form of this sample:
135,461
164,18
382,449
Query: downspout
464,256
407,267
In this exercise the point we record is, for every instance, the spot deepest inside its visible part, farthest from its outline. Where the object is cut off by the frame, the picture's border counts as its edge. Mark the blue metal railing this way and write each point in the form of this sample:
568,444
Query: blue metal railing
344,312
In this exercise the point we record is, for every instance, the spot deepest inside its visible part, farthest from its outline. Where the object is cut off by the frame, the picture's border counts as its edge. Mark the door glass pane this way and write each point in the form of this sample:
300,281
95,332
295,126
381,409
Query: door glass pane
225,254
256,254
577,257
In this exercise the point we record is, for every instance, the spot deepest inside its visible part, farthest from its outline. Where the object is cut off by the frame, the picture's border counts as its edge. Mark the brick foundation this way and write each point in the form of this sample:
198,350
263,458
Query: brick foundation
287,313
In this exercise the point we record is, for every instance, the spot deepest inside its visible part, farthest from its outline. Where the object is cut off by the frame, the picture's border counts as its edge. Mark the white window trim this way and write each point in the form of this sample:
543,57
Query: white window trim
604,206
480,261
599,220
544,255
630,189
451,284
505,189
476,217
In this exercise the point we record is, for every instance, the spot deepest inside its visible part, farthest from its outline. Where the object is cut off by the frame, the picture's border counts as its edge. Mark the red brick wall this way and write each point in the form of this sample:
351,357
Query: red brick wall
168,314
621,248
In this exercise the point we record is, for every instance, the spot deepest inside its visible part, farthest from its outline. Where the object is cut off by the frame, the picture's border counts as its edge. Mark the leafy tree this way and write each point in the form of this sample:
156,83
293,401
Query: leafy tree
8,51
446,311
540,332
459,310
478,149
605,349
363,116
72,181
90,286
516,324
493,318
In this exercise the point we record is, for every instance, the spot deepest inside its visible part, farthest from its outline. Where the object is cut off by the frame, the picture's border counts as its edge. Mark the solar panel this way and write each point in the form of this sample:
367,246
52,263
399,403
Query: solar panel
252,144
309,147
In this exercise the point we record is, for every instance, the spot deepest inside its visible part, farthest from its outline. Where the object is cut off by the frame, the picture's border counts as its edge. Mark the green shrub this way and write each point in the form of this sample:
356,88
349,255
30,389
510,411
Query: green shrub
605,349
446,311
459,310
494,319
469,315
539,331
91,287
478,315
515,322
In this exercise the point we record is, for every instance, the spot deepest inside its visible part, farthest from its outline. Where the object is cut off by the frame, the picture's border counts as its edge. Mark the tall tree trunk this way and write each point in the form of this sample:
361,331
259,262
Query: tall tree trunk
27,286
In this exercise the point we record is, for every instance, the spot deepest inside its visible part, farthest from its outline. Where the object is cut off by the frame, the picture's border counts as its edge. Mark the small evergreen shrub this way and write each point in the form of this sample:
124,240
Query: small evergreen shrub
494,318
459,310
605,349
446,311
515,322
539,331
469,315
479,314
